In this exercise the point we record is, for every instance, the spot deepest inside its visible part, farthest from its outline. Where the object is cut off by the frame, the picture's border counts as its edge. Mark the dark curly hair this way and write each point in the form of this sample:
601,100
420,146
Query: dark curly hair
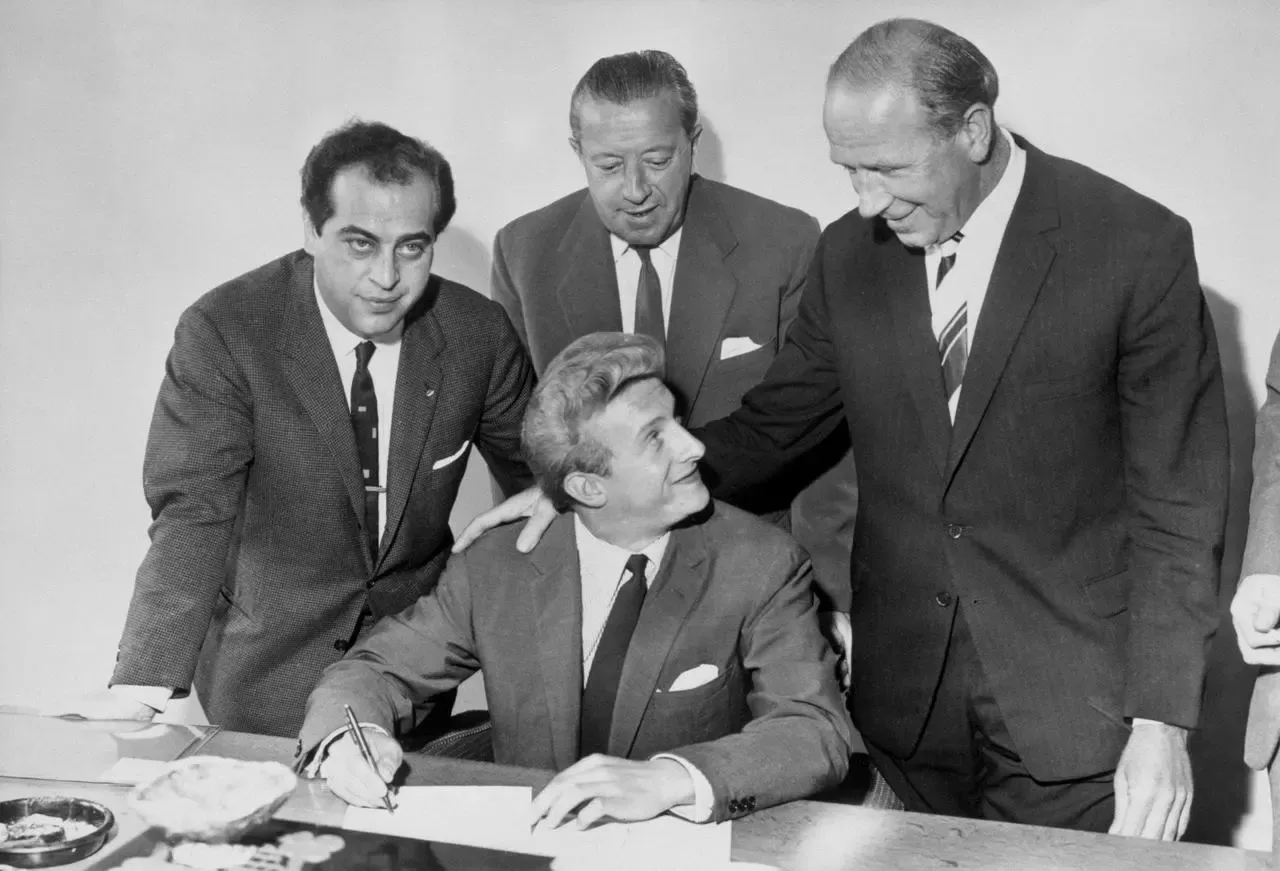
387,155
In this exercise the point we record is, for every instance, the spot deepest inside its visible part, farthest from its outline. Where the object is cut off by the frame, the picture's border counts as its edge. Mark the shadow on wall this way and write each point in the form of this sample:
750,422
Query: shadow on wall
1221,777
709,159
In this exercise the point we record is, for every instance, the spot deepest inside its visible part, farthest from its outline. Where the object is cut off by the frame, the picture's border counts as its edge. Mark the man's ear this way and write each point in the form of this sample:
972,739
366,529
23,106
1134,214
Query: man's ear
586,489
977,132
310,238
695,138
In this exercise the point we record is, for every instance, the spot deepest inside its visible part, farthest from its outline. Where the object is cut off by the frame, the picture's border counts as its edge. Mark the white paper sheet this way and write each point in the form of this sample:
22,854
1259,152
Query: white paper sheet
497,817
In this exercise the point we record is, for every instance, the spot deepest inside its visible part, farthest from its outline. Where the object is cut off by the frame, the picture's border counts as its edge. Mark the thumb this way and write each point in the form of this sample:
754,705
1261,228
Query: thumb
1265,616
543,513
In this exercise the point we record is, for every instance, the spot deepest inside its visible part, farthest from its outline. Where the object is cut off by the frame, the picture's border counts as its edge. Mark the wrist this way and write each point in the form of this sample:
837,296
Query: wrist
676,784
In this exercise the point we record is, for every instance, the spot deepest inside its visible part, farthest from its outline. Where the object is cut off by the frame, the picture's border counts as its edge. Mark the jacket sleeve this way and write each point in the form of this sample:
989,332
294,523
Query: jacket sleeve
391,676
788,414
502,290
198,453
511,382
799,738
1262,548
1174,431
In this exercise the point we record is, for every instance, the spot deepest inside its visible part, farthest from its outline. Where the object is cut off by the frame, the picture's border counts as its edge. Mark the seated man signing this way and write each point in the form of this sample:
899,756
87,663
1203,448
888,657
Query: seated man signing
659,650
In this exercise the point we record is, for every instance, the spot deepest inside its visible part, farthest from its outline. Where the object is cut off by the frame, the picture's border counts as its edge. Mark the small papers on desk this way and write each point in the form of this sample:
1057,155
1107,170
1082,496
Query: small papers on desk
497,818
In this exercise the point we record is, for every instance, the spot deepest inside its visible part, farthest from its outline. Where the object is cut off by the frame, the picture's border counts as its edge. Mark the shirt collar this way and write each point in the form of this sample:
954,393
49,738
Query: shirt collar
669,247
987,224
343,340
597,551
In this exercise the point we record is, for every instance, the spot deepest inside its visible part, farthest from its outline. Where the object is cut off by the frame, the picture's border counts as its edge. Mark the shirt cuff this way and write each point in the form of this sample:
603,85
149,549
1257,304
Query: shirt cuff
315,768
153,697
703,797
1141,721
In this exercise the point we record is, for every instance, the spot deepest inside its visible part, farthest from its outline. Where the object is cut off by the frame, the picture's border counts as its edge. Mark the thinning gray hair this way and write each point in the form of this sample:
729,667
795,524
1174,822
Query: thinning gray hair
637,75
947,72
576,386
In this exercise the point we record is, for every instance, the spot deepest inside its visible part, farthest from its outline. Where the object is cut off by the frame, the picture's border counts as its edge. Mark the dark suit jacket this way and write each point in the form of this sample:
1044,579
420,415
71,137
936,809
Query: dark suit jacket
731,592
1076,508
1262,556
257,566
739,272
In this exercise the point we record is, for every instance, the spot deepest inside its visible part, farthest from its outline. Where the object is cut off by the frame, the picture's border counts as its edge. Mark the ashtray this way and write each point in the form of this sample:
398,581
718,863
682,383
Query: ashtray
51,830
212,799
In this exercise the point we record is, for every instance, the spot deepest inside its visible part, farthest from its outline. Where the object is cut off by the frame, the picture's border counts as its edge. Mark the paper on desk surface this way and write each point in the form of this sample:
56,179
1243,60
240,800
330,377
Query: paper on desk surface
497,817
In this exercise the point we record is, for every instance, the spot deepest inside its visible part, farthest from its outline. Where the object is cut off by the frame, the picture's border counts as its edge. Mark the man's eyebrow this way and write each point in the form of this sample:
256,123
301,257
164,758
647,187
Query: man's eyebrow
353,230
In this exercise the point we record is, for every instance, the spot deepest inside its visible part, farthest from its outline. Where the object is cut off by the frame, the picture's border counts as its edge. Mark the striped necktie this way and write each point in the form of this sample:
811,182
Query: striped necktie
953,340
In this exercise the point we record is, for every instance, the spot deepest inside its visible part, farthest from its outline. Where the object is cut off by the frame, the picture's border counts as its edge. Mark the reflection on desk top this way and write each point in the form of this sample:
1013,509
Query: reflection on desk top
802,835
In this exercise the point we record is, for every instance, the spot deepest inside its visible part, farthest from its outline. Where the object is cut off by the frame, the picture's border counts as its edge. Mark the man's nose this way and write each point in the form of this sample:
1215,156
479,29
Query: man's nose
691,449
386,272
635,186
872,197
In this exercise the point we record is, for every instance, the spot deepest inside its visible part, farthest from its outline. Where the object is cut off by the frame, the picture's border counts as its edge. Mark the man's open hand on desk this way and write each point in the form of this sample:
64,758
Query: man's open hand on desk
351,778
108,704
605,787
532,503
1153,783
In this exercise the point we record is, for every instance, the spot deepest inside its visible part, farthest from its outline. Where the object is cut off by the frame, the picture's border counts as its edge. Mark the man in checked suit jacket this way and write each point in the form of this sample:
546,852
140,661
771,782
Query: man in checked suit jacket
726,696
1035,557
1035,562
261,571
1255,610
731,266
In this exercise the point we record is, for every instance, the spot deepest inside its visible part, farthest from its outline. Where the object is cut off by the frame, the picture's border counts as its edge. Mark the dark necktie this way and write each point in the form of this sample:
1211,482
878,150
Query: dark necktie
364,420
953,341
649,299
601,691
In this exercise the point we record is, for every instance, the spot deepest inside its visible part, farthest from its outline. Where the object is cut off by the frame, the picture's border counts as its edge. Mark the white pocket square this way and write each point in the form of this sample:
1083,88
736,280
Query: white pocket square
695,677
736,346
440,464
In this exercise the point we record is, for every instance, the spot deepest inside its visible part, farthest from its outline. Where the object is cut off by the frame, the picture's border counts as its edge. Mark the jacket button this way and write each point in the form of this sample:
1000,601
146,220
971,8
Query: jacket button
955,531
944,599
341,645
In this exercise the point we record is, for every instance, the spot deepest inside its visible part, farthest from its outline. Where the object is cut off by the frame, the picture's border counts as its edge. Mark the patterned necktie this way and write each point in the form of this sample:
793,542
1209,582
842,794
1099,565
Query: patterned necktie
601,691
364,421
953,341
649,299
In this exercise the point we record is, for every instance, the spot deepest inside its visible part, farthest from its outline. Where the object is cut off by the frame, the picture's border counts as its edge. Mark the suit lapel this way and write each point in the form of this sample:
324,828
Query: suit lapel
587,283
557,604
1020,269
680,579
907,290
313,374
702,293
419,381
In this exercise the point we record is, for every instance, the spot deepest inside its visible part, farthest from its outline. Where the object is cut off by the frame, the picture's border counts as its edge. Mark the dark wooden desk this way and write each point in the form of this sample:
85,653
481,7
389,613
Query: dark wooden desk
802,835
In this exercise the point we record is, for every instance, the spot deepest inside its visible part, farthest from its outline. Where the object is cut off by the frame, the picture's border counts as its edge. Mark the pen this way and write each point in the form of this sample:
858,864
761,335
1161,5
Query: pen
356,734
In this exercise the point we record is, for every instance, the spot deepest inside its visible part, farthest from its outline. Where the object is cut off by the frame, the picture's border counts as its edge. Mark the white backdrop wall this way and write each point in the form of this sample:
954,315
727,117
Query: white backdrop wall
149,150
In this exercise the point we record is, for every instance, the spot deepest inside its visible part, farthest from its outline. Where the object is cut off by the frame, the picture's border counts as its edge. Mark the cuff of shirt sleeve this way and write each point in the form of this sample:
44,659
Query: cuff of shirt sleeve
703,798
315,768
153,697
1139,721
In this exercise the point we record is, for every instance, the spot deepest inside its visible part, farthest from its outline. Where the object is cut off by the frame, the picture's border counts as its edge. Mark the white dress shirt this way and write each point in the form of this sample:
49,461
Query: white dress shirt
975,255
384,365
626,263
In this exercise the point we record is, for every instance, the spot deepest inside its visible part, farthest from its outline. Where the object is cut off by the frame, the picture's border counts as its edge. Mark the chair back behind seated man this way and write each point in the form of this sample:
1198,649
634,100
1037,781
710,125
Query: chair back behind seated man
659,650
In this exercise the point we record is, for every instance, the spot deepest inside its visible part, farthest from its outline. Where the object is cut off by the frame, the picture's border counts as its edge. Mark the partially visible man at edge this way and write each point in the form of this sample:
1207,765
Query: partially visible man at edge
711,271
1022,353
660,652
308,442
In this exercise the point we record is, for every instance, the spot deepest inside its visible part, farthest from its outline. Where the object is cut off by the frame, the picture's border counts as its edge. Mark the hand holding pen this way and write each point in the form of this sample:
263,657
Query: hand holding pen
359,765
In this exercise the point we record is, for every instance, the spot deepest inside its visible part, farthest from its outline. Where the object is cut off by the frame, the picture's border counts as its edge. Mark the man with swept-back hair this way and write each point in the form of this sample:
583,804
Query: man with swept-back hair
660,652
1021,352
712,272
308,443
